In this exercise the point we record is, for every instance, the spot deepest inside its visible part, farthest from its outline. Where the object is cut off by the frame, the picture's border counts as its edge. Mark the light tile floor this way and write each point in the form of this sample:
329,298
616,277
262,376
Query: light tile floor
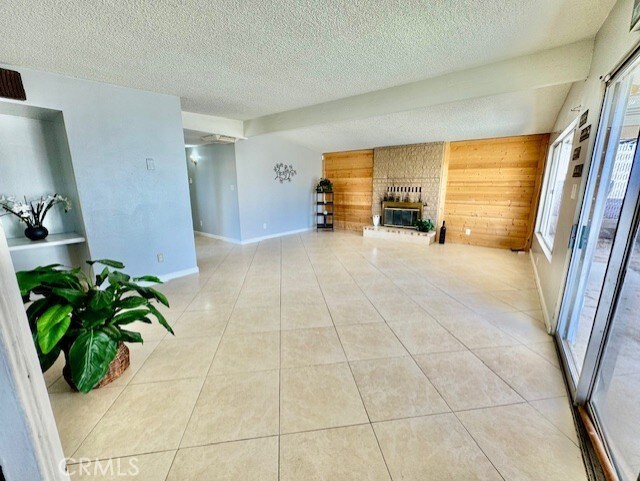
330,357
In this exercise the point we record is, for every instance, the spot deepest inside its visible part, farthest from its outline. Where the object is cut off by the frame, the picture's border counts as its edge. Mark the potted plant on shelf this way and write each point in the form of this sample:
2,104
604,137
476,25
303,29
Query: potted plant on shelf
424,225
86,320
324,185
33,212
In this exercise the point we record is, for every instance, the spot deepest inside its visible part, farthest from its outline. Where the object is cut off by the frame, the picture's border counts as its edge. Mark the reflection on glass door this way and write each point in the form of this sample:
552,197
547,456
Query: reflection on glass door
599,222
616,396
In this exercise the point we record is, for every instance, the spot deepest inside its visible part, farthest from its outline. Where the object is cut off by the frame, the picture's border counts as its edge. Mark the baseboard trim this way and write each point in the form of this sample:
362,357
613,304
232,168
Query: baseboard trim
176,274
218,237
273,236
543,304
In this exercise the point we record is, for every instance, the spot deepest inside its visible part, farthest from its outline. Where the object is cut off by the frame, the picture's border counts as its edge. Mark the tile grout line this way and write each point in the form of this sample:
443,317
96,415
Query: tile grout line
129,383
428,380
214,355
370,424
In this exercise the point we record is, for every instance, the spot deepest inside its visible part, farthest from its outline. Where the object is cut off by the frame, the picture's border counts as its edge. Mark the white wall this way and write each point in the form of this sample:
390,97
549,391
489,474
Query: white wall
612,44
213,187
127,209
17,456
282,207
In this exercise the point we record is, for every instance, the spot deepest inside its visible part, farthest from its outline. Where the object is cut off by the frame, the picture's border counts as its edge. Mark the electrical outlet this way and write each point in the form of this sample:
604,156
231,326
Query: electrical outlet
151,164
160,257
200,223
190,180
264,226
467,231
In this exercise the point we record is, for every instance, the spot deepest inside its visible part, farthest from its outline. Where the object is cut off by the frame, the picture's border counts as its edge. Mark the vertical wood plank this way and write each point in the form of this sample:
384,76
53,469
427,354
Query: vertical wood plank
352,175
493,188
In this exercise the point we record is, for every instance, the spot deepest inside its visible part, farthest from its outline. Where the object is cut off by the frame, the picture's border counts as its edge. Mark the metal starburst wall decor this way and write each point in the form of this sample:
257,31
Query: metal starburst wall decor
284,172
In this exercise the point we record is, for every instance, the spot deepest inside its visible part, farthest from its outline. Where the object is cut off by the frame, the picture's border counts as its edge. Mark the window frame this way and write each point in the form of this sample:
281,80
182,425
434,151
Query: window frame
549,180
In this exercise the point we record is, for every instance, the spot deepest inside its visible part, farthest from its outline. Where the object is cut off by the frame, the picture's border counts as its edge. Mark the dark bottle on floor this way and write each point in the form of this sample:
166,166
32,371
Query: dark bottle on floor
443,233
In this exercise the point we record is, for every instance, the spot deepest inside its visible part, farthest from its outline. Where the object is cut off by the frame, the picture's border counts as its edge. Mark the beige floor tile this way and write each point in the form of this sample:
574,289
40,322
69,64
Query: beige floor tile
254,319
76,414
523,445
151,332
319,397
200,324
547,350
353,312
369,341
301,316
145,418
558,412
441,305
402,310
520,326
529,374
145,467
251,460
484,303
475,331
396,388
465,382
307,347
233,407
435,447
247,352
521,299
426,336
178,359
54,373
340,454
205,301
302,295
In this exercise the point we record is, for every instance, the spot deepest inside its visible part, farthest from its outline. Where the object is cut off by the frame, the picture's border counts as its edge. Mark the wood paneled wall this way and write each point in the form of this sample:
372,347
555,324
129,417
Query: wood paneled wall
493,188
352,175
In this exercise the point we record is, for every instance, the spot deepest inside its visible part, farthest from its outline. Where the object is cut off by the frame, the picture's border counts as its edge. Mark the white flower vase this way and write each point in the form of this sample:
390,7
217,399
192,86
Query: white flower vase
376,220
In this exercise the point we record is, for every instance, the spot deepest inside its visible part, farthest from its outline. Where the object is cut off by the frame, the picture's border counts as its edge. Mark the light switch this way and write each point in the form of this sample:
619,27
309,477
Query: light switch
232,187
574,191
151,164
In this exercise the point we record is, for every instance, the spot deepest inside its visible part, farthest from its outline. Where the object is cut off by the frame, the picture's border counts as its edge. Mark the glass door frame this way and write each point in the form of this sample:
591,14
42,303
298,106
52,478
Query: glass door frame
622,251
583,243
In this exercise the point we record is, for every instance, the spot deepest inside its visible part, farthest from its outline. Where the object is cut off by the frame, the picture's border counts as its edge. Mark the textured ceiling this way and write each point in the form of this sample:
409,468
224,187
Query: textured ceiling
247,58
519,113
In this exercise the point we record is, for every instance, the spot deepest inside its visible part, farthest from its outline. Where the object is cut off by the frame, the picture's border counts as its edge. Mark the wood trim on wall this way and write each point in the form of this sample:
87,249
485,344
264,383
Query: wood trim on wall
351,173
493,188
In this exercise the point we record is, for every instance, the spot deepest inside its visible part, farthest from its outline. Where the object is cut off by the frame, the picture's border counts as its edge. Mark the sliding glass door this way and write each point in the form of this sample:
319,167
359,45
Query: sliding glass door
615,400
599,324
598,224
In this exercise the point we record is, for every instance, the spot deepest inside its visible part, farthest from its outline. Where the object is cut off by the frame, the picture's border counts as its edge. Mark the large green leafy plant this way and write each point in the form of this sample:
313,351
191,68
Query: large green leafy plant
87,319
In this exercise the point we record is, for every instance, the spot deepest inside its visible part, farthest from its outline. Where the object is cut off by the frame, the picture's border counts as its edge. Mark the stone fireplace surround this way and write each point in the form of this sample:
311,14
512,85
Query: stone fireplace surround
417,167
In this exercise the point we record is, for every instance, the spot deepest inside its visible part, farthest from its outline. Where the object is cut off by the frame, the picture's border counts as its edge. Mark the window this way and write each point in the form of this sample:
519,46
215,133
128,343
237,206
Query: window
560,154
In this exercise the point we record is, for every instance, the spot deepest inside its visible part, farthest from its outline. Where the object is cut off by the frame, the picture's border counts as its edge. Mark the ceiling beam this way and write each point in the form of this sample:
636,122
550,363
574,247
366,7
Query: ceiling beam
212,125
557,66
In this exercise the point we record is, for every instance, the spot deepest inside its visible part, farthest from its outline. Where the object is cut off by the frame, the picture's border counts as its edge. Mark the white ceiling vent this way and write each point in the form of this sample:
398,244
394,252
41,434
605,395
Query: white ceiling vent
219,139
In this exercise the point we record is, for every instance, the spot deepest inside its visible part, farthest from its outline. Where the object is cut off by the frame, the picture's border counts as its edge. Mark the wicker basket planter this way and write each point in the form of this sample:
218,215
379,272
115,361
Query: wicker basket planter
119,365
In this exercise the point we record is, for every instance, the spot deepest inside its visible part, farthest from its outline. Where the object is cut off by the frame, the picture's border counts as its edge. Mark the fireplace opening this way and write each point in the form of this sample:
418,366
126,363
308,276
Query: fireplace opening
401,214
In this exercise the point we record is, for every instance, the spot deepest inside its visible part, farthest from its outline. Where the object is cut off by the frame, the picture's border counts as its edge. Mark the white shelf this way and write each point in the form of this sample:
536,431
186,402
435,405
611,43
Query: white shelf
22,243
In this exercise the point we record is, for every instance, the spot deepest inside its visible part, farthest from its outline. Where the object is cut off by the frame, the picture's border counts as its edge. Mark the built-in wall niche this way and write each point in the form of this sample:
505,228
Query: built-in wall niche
34,161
